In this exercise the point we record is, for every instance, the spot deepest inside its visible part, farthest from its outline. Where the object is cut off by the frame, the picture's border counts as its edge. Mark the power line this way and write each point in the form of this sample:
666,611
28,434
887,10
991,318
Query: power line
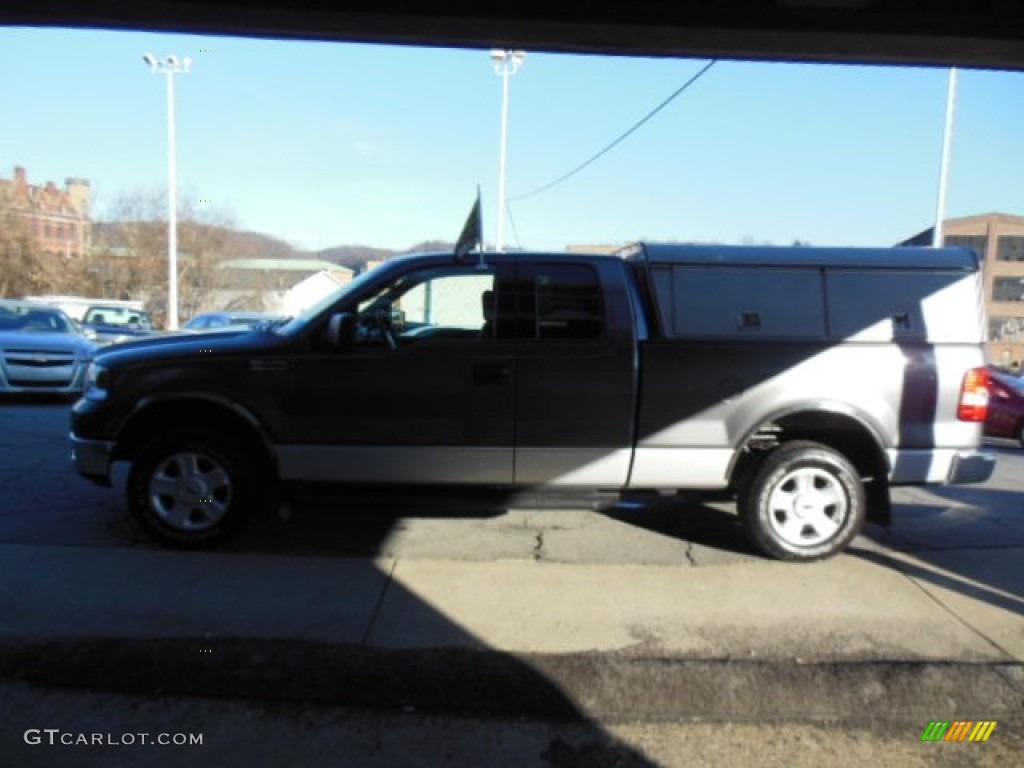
515,231
621,138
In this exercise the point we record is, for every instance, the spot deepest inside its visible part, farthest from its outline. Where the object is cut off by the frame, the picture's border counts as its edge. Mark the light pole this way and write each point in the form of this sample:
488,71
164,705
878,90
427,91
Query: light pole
171,66
947,144
506,64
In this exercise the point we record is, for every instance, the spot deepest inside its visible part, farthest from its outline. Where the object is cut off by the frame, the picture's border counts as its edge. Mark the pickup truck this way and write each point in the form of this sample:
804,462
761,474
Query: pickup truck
801,382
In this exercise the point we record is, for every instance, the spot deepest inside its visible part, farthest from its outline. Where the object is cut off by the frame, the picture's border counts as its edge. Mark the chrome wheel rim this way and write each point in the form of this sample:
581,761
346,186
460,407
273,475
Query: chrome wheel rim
190,491
807,507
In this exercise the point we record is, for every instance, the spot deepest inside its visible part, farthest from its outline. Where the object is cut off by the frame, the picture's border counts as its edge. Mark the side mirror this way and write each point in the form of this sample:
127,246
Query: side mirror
341,331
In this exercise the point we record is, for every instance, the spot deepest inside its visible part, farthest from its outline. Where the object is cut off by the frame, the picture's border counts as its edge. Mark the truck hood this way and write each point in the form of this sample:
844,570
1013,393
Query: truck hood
182,345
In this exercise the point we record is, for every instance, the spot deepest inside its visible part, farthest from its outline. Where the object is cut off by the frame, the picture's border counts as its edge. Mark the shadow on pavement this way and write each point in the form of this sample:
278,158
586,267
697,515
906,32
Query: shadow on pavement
264,619
964,539
977,579
686,520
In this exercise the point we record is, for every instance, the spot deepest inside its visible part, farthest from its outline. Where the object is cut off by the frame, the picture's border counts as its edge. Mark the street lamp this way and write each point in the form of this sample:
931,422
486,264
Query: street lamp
171,66
506,64
947,143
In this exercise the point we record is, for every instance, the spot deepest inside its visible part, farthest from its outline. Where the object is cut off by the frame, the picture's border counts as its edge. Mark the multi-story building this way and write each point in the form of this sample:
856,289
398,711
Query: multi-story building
998,239
58,218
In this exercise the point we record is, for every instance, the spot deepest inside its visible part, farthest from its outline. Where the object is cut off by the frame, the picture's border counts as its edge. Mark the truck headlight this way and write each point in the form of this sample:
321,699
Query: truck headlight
97,380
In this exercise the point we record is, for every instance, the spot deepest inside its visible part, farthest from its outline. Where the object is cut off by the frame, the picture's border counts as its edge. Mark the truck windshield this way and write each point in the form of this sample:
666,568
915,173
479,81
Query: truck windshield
301,319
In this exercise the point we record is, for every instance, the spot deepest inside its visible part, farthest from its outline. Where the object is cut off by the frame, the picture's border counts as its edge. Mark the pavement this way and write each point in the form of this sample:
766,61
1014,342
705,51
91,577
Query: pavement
874,632
634,612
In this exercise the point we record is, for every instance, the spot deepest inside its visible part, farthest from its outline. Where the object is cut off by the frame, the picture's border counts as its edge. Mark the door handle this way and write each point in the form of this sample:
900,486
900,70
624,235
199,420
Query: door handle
492,375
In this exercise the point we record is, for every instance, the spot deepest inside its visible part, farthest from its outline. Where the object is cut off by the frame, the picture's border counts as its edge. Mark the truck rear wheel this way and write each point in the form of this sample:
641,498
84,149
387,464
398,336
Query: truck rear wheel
805,502
191,488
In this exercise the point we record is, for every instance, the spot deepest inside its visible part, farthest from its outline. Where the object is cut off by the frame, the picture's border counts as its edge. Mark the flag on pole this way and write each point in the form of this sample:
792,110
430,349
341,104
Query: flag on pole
472,232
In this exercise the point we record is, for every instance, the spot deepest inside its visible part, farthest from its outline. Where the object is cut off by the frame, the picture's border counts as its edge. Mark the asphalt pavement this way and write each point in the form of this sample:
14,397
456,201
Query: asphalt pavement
925,619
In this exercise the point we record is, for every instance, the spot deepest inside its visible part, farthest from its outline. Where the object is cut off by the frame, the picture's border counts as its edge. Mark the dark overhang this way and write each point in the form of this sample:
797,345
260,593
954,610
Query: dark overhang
979,33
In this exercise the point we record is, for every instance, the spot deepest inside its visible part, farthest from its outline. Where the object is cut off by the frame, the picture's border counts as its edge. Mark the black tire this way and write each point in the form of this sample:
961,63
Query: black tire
1020,434
804,502
192,488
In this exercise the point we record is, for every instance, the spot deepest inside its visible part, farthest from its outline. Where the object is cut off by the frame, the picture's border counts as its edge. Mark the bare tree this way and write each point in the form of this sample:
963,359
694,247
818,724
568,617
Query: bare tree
130,250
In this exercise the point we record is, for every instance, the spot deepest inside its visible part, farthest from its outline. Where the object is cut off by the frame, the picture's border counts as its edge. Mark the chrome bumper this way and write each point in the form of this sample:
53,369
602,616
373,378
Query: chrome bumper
971,468
92,458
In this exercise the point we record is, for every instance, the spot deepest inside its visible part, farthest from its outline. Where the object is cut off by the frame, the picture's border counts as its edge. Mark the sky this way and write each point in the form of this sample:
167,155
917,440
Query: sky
326,144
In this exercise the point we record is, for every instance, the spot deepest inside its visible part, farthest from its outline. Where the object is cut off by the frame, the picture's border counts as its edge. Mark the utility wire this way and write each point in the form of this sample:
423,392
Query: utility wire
515,232
621,138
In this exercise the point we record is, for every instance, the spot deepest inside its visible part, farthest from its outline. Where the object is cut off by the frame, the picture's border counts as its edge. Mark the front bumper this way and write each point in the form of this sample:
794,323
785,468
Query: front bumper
92,458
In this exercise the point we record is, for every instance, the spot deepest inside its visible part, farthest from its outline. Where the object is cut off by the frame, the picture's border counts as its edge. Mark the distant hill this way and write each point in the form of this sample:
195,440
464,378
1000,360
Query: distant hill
240,244
356,256
237,244
353,256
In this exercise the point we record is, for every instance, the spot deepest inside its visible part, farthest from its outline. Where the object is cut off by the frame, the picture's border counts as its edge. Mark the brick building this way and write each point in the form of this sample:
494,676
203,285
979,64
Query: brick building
58,217
998,239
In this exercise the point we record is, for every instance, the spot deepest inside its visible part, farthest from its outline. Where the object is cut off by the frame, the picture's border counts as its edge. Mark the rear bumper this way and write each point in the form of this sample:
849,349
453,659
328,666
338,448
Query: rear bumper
971,468
92,458
940,466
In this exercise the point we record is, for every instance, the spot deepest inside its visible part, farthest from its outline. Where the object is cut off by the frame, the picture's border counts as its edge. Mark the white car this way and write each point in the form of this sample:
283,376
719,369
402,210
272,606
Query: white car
42,350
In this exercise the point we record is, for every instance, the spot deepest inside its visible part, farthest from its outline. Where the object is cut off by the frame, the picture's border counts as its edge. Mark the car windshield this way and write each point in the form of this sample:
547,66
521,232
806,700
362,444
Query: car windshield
121,316
34,319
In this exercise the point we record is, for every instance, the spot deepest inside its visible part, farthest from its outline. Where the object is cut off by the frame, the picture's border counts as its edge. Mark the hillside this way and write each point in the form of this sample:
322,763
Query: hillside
239,244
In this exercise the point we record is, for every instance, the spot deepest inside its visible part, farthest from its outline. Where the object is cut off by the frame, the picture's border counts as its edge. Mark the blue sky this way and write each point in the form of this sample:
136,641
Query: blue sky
324,144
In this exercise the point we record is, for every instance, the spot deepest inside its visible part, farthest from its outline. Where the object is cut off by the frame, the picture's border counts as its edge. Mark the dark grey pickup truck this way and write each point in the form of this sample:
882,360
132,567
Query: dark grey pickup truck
803,382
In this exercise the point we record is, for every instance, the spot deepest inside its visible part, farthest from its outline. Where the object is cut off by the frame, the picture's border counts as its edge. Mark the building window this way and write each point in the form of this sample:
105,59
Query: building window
977,243
1008,289
1006,329
1010,248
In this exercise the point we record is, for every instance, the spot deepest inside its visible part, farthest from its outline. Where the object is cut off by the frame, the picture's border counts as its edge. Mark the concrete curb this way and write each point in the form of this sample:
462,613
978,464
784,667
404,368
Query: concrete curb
487,683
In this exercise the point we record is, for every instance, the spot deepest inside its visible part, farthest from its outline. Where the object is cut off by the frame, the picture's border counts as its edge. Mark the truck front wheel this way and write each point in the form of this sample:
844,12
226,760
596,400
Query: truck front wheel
191,488
805,502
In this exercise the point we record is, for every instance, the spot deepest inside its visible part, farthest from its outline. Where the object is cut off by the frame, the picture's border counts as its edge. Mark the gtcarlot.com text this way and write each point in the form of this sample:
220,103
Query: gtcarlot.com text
55,737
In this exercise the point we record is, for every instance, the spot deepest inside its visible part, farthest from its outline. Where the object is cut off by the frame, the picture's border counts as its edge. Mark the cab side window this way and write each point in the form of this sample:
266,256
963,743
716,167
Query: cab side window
560,301
430,304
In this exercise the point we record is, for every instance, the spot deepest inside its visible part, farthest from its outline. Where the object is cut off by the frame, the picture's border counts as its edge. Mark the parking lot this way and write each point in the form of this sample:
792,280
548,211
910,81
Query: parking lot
46,503
638,612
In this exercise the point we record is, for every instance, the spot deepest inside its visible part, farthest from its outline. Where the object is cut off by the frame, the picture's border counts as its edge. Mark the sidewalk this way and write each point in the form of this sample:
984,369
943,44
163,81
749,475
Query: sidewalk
860,635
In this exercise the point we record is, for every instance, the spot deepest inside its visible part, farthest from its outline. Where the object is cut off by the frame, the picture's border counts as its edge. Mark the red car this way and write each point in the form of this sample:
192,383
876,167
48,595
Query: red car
1005,416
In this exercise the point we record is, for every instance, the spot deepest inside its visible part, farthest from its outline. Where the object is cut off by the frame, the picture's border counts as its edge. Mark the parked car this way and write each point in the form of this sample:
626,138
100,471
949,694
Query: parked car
112,324
1005,406
224,321
42,350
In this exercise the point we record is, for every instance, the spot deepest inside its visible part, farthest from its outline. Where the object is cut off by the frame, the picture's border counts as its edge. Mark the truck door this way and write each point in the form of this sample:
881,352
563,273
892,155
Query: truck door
425,395
576,376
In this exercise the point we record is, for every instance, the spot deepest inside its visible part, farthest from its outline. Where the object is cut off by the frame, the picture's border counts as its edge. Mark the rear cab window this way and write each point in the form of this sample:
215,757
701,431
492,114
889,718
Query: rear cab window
559,302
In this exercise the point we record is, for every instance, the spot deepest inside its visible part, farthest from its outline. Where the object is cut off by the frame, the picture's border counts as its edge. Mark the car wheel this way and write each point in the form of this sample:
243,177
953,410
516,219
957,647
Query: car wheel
805,502
1020,434
191,488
